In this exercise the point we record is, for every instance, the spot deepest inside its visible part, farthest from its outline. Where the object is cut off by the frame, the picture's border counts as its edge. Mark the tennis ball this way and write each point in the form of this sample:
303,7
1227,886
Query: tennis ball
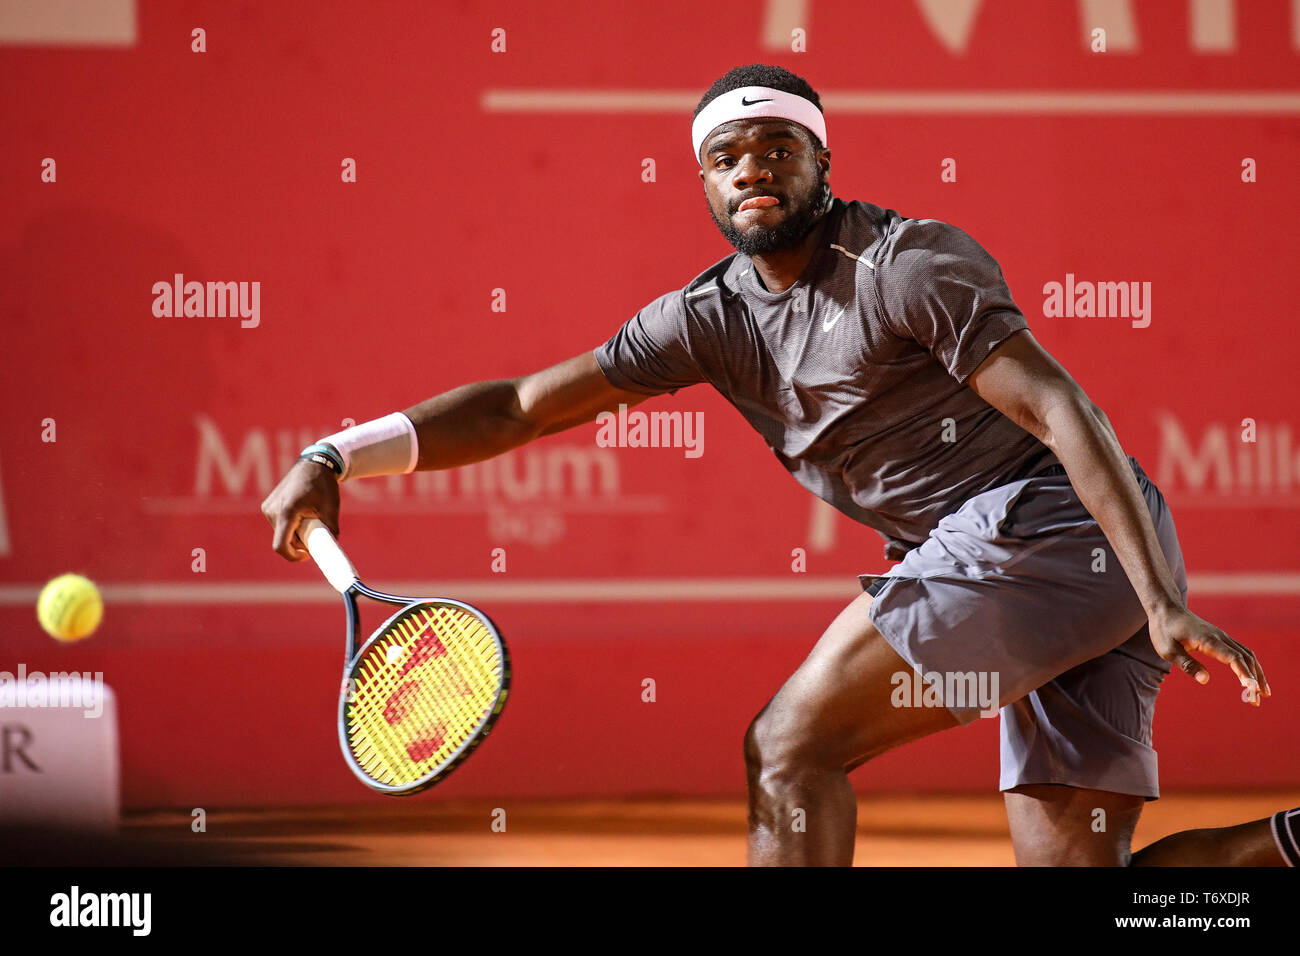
70,607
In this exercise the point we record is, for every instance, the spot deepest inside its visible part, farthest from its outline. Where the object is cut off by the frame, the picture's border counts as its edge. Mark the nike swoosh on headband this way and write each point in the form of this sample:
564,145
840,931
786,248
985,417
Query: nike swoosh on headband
756,103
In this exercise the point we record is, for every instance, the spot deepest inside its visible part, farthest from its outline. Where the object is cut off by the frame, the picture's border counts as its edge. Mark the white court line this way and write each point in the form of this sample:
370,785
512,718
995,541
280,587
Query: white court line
849,102
68,23
630,590
501,592
629,504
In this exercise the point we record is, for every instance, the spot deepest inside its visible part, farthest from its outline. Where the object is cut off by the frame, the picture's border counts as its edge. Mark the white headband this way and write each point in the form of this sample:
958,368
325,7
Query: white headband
756,102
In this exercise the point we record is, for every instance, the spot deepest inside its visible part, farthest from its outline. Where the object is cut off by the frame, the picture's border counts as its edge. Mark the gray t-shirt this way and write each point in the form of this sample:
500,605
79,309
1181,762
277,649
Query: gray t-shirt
851,374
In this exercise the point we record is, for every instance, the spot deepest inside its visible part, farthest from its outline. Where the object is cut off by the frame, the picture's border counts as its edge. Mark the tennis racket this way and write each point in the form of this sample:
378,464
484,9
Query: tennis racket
424,689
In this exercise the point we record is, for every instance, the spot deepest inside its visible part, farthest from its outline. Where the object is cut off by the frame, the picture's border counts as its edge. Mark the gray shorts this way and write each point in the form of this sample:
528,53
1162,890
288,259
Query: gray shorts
1020,582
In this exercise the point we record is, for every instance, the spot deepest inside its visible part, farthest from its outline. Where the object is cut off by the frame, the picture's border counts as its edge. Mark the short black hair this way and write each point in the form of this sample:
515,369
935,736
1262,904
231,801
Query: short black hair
762,74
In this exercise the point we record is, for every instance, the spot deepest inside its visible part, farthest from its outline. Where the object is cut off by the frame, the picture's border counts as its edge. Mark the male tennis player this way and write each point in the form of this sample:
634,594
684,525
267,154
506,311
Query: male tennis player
883,361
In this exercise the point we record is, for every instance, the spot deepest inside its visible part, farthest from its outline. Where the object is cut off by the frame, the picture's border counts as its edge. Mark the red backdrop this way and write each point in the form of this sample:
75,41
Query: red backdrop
225,165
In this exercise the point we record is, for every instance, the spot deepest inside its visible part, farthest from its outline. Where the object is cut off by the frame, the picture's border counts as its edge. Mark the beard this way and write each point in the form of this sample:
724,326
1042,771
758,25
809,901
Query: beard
803,214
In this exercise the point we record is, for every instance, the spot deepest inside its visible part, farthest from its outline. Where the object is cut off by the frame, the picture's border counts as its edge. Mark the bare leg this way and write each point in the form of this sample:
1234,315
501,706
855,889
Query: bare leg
832,715
1248,844
1053,825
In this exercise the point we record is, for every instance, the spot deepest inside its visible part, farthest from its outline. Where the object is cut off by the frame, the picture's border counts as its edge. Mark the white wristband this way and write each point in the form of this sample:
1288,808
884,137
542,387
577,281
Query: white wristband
384,446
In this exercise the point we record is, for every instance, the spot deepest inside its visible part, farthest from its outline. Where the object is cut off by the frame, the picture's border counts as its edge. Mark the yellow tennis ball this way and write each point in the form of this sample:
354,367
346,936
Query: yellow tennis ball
70,607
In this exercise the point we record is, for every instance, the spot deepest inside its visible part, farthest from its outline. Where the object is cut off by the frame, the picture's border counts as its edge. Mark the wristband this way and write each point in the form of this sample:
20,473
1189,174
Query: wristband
323,454
384,446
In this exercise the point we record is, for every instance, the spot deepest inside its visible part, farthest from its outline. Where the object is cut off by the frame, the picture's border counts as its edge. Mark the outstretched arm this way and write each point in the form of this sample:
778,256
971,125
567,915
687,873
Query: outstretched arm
458,427
1024,382
484,419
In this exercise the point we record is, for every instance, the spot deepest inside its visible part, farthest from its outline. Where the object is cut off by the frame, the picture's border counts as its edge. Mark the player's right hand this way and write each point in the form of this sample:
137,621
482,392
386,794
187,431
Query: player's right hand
307,490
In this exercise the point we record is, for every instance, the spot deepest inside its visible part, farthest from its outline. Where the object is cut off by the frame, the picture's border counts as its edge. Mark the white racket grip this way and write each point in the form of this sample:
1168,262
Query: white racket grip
327,554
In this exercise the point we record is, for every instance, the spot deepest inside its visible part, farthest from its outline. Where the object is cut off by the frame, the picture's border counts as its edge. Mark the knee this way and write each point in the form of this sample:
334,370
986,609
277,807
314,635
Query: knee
756,741
778,747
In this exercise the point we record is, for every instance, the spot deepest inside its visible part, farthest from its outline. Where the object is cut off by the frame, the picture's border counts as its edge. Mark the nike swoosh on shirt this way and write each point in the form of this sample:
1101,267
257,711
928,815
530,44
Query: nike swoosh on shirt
828,324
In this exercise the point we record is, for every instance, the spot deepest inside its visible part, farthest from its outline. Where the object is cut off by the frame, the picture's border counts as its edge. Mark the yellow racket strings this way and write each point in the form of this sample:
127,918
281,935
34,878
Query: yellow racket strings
420,692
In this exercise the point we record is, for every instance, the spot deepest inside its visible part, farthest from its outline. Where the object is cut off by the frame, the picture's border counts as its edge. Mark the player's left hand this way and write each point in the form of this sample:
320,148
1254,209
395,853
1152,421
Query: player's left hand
1176,634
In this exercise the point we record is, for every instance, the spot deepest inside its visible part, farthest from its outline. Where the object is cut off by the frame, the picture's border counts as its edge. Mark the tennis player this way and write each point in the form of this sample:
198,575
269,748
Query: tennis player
884,362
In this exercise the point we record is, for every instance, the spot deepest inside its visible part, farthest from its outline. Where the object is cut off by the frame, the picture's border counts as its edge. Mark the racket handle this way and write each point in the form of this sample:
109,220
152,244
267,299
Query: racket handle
327,554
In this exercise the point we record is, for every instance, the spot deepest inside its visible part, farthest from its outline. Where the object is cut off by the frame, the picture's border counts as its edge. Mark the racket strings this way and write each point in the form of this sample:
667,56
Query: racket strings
427,713
421,691
407,696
